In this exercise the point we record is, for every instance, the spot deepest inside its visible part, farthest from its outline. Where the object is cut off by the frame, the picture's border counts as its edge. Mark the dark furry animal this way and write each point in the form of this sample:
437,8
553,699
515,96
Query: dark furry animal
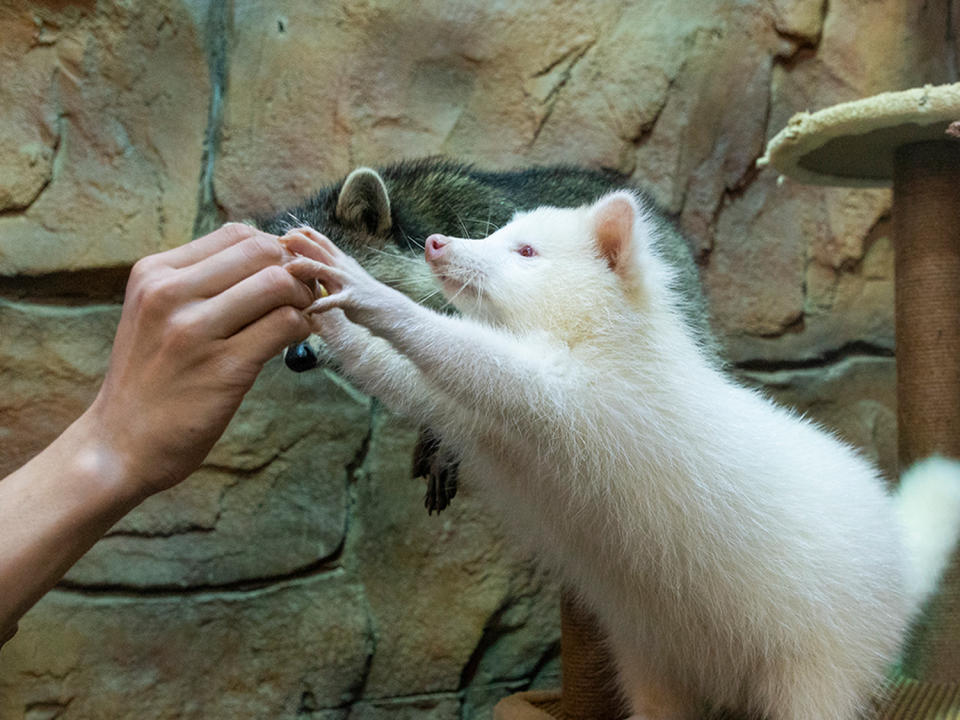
382,217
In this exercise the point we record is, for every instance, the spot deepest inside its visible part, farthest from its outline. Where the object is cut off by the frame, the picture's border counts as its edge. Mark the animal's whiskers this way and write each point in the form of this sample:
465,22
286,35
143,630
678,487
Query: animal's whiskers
463,228
488,227
465,283
429,296
395,256
412,240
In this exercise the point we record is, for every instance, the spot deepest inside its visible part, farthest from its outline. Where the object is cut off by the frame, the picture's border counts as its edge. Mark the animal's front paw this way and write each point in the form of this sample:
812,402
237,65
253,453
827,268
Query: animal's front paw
346,284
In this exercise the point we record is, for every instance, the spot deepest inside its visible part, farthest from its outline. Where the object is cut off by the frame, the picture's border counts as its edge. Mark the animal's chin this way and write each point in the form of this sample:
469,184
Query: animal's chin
460,296
454,288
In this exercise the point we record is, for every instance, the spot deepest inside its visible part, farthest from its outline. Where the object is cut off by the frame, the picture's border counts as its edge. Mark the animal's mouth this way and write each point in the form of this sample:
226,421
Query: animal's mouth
456,280
453,285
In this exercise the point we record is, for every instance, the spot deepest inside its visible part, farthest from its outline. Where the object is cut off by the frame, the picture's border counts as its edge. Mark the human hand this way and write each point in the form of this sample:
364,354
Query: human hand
198,323
348,286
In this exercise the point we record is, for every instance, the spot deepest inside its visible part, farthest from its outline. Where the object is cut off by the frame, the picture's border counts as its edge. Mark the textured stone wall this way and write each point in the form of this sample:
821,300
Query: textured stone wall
296,574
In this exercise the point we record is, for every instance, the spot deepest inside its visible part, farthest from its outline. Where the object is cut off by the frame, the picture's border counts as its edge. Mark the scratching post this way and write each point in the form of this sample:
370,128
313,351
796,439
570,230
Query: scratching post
926,219
906,139
589,690
926,216
588,685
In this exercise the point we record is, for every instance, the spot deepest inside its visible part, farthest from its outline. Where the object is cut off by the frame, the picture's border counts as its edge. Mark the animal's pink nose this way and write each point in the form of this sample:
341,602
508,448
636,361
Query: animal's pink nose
435,246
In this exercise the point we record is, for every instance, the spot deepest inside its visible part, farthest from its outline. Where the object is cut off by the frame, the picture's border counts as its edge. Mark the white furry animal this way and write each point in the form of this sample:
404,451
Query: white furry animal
737,555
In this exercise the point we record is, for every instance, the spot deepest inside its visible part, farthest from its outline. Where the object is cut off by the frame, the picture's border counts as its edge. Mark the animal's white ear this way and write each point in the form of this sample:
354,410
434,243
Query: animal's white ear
613,217
363,202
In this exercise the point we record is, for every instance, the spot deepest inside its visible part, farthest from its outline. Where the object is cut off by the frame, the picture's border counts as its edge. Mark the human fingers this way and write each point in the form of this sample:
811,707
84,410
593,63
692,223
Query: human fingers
306,242
217,272
324,242
269,335
251,299
210,244
310,243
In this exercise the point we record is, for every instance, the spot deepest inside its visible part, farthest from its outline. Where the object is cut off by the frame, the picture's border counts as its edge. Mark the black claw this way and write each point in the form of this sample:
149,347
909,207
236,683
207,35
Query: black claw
431,499
443,500
453,479
300,358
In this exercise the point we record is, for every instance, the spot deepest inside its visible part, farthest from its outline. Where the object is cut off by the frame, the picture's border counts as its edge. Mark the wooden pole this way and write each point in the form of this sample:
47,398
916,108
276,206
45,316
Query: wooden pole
926,217
588,679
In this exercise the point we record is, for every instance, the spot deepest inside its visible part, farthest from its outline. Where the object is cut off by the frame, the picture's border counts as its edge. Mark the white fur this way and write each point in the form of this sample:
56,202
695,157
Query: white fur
736,553
929,503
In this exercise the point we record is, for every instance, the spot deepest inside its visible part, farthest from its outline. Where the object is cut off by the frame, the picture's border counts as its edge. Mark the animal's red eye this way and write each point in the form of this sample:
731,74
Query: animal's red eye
526,251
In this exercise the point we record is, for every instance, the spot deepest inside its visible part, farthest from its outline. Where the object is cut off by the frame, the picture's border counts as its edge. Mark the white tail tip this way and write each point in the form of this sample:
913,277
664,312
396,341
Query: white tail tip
929,501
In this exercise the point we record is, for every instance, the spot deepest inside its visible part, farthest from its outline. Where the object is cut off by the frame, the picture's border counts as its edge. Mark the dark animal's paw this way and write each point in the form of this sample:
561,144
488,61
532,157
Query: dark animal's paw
300,357
441,487
440,469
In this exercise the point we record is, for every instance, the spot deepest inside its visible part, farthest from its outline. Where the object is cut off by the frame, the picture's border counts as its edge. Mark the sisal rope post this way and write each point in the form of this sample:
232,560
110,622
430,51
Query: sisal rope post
587,674
926,217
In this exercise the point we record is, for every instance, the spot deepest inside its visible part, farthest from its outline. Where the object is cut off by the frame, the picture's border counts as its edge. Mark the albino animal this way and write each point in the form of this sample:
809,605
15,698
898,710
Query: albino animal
737,555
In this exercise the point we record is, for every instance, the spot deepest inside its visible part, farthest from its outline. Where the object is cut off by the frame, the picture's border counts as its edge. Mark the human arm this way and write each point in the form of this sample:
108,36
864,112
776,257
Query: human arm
198,323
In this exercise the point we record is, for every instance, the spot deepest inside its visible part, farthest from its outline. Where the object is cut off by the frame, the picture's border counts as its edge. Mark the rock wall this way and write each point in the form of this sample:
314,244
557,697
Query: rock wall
295,574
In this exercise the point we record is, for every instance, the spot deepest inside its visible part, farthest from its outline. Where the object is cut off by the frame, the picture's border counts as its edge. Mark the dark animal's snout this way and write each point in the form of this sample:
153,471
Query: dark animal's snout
300,357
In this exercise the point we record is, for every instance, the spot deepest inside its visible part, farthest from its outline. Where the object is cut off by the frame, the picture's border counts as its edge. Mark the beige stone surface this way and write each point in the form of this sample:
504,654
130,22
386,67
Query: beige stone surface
52,360
247,654
754,280
103,110
430,707
802,19
375,82
837,294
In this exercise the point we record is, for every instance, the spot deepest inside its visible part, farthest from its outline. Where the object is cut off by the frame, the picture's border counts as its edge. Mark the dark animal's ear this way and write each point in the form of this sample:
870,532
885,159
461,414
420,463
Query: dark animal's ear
363,203
613,219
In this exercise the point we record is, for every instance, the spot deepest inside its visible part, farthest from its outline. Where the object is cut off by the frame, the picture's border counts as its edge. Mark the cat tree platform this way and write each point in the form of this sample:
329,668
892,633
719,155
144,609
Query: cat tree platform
910,140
